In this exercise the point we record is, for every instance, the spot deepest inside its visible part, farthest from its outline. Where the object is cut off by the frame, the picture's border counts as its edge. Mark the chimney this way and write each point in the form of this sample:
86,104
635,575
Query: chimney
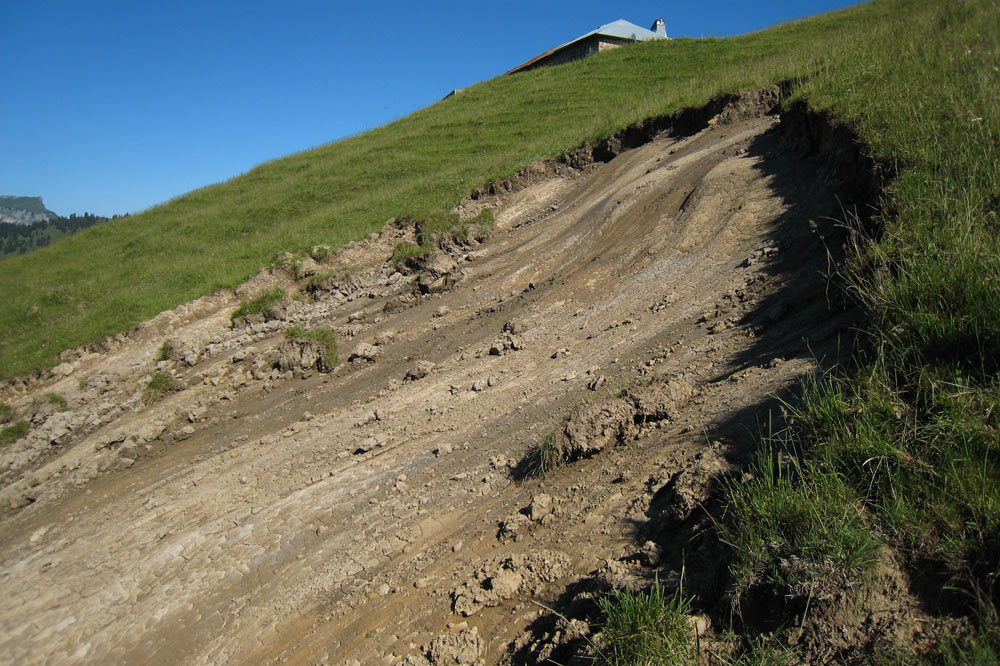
660,28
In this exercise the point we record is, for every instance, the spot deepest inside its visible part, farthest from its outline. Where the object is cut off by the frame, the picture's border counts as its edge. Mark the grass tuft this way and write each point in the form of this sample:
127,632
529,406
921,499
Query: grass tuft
324,336
12,433
259,304
406,252
796,530
540,460
159,385
646,628
58,401
6,413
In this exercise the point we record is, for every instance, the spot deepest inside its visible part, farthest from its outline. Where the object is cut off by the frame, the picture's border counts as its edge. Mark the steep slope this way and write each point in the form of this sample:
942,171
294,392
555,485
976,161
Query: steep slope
298,516
107,279
219,490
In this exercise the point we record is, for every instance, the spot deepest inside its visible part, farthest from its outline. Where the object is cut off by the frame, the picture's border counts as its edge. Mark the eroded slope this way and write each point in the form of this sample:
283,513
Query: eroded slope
264,513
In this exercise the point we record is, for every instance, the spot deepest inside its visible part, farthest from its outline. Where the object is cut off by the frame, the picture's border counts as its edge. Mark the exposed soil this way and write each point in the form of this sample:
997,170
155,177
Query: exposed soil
642,304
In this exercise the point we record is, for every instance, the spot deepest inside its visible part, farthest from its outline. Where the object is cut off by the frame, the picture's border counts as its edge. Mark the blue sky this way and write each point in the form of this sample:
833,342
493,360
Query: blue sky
111,107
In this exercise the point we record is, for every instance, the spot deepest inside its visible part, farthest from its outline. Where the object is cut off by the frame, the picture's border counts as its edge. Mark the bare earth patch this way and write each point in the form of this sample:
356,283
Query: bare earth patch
272,509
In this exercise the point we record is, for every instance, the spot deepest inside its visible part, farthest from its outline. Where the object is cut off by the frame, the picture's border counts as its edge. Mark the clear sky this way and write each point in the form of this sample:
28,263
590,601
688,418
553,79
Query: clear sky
114,106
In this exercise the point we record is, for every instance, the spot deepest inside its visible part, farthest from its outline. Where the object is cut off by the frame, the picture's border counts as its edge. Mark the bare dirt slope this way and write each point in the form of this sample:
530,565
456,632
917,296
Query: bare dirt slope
262,514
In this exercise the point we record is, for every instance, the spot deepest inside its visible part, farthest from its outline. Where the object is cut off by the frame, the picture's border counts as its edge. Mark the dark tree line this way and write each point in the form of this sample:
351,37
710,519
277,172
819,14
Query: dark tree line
21,238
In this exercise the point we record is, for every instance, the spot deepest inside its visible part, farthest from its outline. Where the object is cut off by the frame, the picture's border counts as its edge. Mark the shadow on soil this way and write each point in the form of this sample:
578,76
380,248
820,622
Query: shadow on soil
830,189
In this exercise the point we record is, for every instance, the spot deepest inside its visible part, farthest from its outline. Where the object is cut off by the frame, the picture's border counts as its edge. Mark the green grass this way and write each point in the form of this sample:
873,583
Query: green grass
159,385
436,229
259,304
796,531
58,401
6,413
12,433
324,336
540,460
319,252
905,437
406,251
438,226
645,628
112,276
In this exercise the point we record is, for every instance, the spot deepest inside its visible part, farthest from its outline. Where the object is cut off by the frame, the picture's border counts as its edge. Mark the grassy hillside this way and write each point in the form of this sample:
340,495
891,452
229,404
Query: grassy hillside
897,452
109,278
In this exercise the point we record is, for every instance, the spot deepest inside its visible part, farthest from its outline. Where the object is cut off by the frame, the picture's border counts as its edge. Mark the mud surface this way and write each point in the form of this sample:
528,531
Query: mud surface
271,506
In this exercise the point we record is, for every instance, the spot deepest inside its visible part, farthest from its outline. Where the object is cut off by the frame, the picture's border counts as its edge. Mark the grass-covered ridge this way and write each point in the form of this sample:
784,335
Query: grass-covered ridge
110,277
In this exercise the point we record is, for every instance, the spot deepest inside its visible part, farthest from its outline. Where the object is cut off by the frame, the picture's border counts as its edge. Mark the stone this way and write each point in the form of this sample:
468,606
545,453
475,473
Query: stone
541,505
461,649
506,583
419,370
364,352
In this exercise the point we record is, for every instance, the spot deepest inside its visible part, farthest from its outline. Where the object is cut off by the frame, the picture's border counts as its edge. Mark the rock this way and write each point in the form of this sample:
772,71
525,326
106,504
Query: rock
64,369
514,327
677,496
479,385
383,338
659,401
443,450
303,355
19,500
461,649
436,273
651,554
442,311
504,576
506,583
367,444
57,428
541,505
419,370
305,267
700,624
364,352
594,426
504,344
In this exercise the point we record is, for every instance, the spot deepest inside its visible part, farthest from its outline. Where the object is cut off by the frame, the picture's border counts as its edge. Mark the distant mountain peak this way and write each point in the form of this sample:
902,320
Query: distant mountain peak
24,210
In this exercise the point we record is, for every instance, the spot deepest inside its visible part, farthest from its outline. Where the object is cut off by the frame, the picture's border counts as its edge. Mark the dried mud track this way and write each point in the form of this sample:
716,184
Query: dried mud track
329,518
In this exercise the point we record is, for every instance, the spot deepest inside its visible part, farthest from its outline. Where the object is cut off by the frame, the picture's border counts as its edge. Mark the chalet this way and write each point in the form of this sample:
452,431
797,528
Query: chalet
608,36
